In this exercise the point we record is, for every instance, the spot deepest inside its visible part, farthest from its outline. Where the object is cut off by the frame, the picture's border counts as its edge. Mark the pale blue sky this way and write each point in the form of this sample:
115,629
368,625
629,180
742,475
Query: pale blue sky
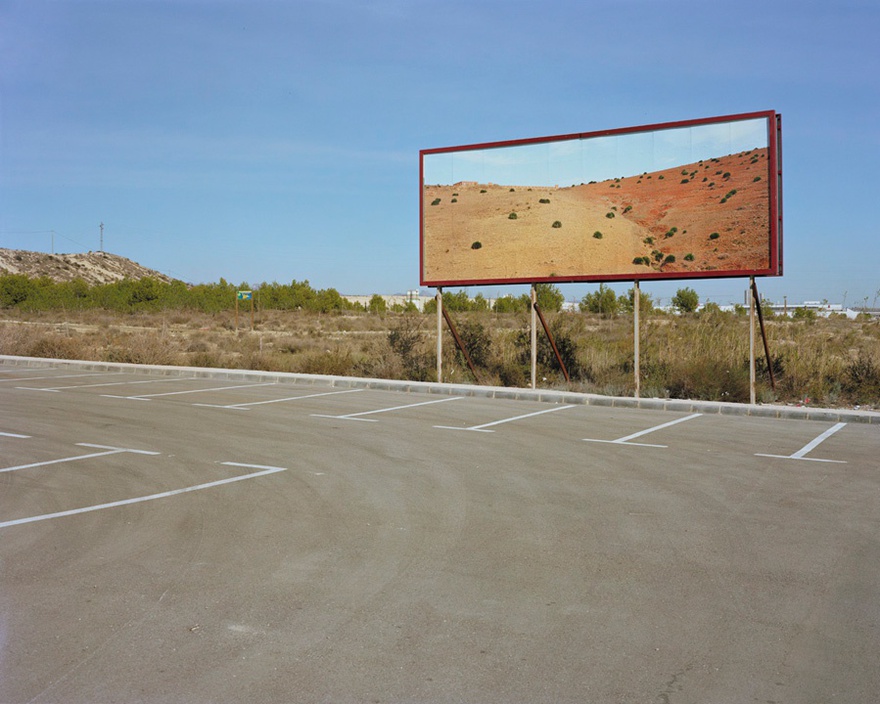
280,140
594,158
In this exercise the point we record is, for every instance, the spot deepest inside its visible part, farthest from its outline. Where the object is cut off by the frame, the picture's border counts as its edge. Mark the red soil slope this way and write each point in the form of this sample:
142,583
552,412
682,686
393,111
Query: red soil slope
709,216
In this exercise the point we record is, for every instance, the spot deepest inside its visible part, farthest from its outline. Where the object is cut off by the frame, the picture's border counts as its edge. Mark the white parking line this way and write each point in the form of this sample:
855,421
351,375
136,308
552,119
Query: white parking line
356,416
151,497
253,466
147,397
107,451
245,406
13,435
810,446
90,386
626,439
482,428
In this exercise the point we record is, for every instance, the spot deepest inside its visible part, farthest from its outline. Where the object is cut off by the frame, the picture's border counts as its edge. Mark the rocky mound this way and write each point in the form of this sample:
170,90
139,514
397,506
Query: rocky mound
91,267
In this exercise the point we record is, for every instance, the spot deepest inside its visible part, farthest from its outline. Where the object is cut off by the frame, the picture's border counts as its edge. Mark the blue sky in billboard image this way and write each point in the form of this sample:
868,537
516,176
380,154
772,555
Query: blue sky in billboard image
267,140
573,161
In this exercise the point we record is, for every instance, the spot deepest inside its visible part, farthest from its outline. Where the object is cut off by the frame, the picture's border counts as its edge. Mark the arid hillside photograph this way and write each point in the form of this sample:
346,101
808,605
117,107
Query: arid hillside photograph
709,216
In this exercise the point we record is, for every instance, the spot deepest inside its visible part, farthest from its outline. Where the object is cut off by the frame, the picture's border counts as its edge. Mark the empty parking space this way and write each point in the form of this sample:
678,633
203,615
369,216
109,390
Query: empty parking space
239,539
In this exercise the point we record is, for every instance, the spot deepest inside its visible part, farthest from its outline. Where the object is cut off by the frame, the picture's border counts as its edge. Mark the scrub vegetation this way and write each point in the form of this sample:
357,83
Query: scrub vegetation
701,355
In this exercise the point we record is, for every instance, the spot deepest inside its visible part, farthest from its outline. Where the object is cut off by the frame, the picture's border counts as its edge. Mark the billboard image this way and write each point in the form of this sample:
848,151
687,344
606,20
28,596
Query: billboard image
679,200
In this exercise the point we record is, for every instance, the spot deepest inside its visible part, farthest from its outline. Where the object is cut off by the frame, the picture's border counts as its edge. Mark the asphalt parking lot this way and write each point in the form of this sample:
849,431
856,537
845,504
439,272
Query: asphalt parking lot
193,538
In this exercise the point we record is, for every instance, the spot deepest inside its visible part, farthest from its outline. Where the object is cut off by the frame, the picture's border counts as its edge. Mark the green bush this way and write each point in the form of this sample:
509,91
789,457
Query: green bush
406,340
436,201
477,340
689,257
549,297
557,224
803,314
512,216
476,245
377,304
862,379
685,300
714,236
511,304
604,302
597,235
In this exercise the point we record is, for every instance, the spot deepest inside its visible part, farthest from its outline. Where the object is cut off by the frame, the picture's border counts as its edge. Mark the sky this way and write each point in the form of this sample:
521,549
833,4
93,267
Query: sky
277,140
588,157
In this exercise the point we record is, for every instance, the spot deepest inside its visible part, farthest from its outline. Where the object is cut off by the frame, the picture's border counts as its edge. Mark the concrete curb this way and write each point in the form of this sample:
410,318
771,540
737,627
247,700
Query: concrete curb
503,392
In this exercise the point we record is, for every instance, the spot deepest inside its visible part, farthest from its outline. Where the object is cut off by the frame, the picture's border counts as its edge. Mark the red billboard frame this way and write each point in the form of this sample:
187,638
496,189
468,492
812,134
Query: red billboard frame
774,259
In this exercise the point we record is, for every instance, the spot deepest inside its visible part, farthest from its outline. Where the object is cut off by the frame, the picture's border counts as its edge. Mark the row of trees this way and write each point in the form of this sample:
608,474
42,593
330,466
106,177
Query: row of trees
605,302
148,295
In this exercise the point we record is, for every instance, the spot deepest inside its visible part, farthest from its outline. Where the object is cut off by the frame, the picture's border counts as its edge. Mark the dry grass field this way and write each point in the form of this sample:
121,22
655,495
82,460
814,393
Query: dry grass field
823,362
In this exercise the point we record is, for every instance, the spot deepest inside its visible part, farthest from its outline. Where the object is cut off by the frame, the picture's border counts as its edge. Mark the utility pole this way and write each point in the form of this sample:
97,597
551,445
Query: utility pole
102,237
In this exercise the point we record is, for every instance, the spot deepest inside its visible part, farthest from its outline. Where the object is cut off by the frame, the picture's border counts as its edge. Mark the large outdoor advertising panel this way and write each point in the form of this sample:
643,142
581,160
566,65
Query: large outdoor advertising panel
692,199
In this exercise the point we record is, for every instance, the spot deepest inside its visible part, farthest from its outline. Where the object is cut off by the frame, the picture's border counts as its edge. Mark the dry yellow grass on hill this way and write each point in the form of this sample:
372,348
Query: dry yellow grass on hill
709,216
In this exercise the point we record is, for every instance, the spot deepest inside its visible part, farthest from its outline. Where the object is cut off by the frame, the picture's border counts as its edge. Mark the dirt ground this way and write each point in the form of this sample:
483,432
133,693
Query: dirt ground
708,216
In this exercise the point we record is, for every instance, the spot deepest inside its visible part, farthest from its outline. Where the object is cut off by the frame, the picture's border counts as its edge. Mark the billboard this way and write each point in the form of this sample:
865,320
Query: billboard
691,199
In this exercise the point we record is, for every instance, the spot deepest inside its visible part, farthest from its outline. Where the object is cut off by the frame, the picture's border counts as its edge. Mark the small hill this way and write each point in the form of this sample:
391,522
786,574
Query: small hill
91,267
708,216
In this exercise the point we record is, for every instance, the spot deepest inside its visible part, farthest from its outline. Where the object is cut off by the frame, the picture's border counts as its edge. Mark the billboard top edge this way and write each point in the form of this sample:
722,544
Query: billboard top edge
765,114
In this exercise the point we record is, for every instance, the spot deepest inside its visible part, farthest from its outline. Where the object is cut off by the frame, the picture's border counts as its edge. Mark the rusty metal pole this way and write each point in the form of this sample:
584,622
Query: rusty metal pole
752,396
763,334
460,344
552,343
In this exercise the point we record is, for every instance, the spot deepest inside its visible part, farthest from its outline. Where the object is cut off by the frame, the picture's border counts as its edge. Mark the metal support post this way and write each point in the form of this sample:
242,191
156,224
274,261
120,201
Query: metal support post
534,337
439,299
637,304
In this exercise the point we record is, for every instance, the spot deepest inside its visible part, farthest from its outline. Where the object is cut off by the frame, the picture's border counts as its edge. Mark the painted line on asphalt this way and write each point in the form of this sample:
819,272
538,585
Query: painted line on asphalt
147,397
809,447
482,428
356,416
105,383
626,439
150,497
245,406
13,435
253,466
108,450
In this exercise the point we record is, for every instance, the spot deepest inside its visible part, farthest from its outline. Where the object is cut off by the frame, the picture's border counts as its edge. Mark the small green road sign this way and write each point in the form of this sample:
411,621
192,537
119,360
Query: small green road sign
245,295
